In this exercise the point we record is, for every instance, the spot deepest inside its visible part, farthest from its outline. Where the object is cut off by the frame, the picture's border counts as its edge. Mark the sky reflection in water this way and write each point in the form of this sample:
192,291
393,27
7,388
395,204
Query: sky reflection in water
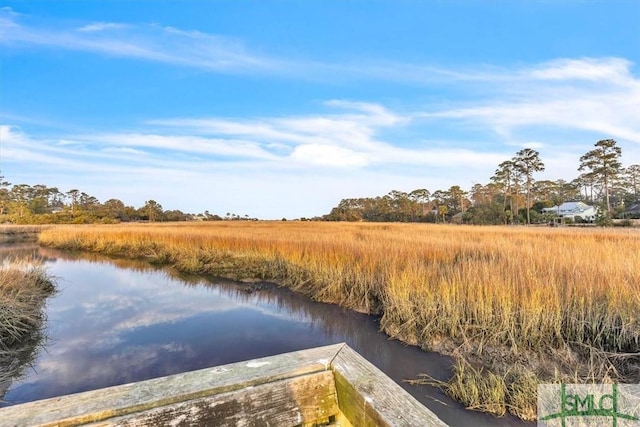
118,321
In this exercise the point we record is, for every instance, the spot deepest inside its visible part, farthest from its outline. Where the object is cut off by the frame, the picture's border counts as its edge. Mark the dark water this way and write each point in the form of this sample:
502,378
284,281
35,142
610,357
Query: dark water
115,322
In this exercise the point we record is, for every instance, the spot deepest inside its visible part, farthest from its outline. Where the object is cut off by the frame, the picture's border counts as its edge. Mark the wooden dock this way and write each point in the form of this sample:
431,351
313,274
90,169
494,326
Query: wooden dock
325,386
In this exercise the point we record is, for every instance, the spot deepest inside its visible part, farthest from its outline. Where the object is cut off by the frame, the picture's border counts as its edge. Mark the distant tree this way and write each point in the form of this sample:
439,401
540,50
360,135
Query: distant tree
114,209
402,208
20,197
56,198
420,197
545,190
4,195
484,214
175,215
74,196
585,182
486,194
441,200
527,162
567,190
88,203
457,198
603,163
39,199
632,176
504,177
443,210
153,210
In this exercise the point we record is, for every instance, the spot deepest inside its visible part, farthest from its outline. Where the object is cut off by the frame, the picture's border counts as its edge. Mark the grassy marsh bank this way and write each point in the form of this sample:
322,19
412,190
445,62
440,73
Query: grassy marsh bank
524,304
24,289
17,233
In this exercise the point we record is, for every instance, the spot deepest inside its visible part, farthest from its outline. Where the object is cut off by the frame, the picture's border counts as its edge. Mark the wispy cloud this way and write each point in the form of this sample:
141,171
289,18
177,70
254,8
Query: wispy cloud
302,162
346,139
610,70
601,96
146,42
271,162
349,135
219,53
101,26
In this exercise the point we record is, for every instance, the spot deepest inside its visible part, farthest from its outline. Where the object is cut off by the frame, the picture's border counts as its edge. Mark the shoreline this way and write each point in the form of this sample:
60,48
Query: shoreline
24,290
488,376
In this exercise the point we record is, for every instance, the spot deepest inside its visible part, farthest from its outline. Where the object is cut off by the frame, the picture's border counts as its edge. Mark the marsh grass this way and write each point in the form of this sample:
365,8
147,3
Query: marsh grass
13,233
24,288
481,389
498,293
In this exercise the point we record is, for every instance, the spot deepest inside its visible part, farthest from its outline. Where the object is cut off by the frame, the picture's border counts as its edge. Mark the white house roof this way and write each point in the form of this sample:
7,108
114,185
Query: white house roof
635,208
572,207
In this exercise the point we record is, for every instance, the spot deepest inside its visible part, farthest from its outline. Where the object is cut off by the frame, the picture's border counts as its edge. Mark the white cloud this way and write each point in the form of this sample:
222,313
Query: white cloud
183,144
303,163
146,42
317,160
124,150
218,53
610,70
101,26
348,139
600,96
328,155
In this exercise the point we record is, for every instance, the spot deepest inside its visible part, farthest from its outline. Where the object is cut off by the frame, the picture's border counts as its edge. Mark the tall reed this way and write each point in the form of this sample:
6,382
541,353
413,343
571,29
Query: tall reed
521,289
23,291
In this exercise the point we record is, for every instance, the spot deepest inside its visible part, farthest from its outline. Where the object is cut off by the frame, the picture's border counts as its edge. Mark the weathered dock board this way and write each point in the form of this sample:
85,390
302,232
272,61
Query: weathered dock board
330,385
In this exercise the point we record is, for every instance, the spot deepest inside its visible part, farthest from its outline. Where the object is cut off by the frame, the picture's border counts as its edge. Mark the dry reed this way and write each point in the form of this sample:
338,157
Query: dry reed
23,291
513,288
24,288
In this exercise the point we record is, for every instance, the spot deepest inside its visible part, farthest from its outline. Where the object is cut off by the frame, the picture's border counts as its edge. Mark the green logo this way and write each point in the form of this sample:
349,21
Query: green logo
589,403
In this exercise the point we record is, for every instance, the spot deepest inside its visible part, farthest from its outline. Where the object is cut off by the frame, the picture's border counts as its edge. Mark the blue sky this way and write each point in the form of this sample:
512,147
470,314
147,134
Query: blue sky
282,108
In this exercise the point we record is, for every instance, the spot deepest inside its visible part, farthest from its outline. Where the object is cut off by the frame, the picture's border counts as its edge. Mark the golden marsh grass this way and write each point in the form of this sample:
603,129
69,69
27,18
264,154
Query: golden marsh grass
23,291
538,290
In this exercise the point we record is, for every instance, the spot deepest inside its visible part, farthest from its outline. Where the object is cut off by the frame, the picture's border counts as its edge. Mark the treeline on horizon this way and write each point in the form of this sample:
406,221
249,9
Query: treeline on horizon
39,204
512,196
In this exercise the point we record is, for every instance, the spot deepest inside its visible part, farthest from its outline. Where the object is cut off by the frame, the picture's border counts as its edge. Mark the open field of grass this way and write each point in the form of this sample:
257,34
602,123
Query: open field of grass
516,305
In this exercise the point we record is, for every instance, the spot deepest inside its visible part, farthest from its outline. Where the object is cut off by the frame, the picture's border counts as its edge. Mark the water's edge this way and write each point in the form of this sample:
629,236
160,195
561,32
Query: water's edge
201,322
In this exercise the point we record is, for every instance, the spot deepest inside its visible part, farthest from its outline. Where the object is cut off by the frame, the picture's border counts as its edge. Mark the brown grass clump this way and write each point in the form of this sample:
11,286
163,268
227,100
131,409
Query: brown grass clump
488,293
23,291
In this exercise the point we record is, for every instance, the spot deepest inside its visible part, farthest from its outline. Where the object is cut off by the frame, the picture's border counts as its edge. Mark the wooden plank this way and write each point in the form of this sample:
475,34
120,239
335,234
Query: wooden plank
367,397
302,401
102,404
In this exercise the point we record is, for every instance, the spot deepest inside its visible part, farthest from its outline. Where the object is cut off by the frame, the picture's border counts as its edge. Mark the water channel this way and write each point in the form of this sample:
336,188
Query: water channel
119,321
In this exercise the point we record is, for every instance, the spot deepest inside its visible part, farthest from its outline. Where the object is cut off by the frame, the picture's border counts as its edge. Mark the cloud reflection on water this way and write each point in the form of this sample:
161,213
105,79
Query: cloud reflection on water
118,321
111,325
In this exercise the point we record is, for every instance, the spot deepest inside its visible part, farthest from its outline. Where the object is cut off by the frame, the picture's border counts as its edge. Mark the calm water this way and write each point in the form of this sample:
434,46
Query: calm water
115,322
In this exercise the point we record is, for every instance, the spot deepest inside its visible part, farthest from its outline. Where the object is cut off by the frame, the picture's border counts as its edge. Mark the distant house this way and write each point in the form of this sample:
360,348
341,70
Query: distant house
633,211
573,210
